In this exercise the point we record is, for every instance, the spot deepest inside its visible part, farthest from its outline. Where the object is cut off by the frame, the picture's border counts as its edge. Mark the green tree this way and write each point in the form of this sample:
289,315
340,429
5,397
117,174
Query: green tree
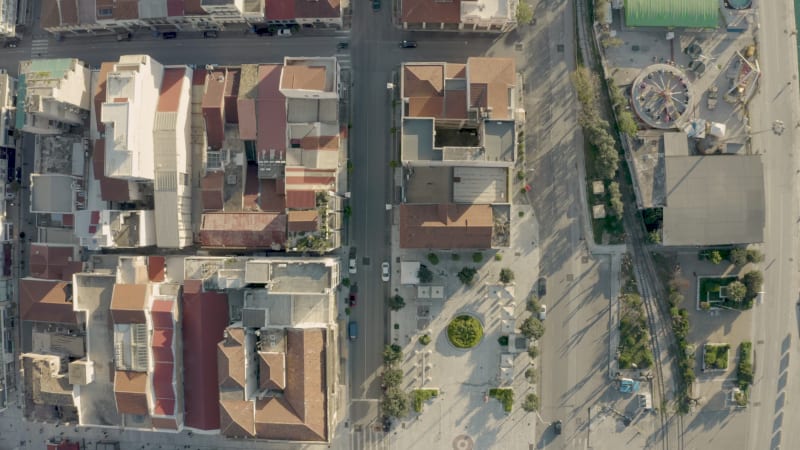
395,403
506,275
754,256
433,258
533,351
425,275
395,302
736,291
531,375
477,257
654,237
532,327
531,402
715,257
615,198
626,123
753,280
524,13
738,257
533,304
467,274
392,377
392,354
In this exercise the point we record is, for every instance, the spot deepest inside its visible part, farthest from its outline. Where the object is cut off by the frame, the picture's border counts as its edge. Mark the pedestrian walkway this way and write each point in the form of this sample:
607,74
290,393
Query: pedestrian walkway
369,438
39,48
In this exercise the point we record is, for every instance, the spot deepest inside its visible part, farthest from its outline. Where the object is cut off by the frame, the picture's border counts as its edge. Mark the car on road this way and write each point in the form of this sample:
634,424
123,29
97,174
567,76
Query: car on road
387,424
352,330
351,300
210,34
541,287
408,44
342,45
169,35
542,312
376,5
557,427
11,43
124,37
264,31
353,267
285,32
385,275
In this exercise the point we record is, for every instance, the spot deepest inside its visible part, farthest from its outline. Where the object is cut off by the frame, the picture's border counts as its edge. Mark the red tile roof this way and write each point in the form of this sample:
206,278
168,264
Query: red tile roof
205,316
272,373
270,111
246,111
163,423
46,301
446,226
313,9
236,418
243,230
128,303
301,199
231,360
303,221
231,93
171,86
431,11
53,262
489,82
279,9
271,199
155,268
212,191
130,392
213,108
63,445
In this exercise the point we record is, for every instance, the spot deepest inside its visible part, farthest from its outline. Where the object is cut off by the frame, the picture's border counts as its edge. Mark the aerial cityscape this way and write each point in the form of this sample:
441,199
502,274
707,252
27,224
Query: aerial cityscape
397,225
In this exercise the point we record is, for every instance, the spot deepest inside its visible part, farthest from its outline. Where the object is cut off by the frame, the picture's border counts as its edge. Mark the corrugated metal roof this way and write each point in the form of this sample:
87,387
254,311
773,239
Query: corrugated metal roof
672,13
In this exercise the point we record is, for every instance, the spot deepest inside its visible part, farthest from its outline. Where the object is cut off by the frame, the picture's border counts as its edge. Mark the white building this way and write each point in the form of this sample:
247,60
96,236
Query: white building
115,229
233,11
55,92
132,95
172,140
8,18
8,89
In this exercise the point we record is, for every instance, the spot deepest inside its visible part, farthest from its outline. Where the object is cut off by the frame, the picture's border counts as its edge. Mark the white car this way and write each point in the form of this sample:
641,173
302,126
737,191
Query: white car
353,267
284,32
385,275
542,312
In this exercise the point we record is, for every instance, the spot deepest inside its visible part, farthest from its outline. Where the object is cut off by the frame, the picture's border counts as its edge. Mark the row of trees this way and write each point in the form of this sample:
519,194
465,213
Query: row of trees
395,402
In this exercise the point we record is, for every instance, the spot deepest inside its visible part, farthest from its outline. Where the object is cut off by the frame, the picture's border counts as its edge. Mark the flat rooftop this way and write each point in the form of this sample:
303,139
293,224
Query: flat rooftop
714,200
428,184
417,141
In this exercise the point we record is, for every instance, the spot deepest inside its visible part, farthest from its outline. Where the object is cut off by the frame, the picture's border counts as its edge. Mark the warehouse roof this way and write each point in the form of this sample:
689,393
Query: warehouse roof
672,13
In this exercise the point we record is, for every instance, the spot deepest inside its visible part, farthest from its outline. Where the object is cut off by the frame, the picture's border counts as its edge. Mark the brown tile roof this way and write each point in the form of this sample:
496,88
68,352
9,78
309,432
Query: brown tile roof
236,418
230,360
212,191
301,175
46,301
155,268
213,108
270,111
204,318
69,12
320,142
174,8
304,199
455,70
445,226
231,95
53,262
164,423
303,221
273,370
489,81
301,415
455,104
423,85
130,392
271,200
431,11
243,230
312,9
128,303
111,189
279,10
171,86
246,112
303,77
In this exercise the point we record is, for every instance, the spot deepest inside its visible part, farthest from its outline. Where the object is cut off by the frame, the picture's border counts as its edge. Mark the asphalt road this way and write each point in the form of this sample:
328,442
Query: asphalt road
775,327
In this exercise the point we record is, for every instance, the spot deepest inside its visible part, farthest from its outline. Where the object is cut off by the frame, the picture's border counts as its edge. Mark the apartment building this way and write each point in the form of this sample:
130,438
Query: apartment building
52,95
459,15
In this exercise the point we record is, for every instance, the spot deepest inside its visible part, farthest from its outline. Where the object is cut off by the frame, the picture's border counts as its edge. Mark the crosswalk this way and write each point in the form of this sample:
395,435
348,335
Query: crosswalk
39,48
370,438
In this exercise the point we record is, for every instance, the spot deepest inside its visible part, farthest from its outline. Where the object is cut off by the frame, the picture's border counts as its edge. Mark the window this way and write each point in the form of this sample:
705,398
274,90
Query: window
184,177
105,12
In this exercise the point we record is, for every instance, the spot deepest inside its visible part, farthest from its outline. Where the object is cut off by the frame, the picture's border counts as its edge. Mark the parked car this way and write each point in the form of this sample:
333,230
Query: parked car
387,424
210,34
124,36
342,45
376,5
542,312
385,275
541,286
351,301
11,43
353,267
352,330
557,427
408,44
169,35
263,31
285,32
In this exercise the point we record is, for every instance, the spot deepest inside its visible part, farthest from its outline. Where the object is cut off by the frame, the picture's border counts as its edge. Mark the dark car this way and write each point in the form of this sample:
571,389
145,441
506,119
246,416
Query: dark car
541,287
387,424
264,31
557,427
408,44
169,35
210,34
376,5
11,43
343,45
124,37
351,301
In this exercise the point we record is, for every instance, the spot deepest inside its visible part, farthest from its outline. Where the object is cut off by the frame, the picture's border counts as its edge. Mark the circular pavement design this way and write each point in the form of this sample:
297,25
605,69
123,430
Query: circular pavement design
661,96
463,442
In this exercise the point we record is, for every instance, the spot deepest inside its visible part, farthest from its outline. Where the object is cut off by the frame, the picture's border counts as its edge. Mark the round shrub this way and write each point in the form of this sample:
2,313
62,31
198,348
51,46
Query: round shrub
465,331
